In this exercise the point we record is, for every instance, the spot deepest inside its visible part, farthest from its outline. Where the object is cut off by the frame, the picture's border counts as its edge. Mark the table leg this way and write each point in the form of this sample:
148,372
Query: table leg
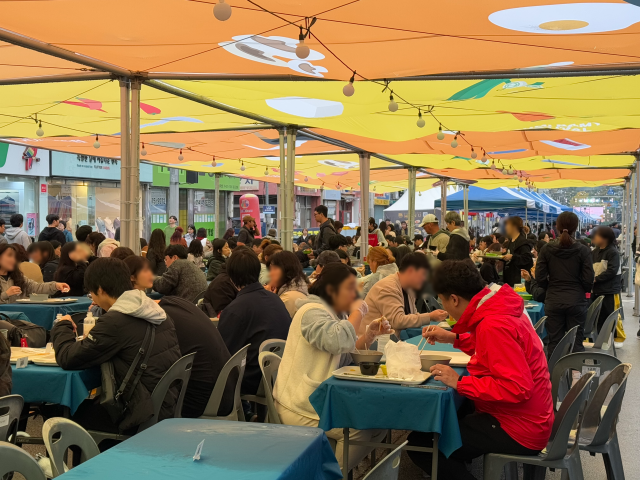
345,454
434,456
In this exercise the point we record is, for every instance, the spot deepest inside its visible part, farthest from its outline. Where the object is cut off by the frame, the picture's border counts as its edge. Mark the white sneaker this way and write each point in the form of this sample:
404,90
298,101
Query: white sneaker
618,344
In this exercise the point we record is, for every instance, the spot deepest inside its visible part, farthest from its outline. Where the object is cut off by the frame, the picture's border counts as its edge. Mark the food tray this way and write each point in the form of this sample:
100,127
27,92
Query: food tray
50,301
19,352
353,373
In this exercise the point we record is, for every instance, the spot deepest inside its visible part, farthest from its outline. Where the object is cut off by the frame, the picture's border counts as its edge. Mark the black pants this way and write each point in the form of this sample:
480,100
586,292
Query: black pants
481,433
561,319
608,307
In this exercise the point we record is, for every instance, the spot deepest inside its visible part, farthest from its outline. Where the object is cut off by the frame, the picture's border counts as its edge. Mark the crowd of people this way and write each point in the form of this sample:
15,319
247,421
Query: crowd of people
258,292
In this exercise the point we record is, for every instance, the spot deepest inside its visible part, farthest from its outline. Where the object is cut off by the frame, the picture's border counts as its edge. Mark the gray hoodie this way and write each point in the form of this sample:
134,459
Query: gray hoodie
17,235
325,330
137,304
28,288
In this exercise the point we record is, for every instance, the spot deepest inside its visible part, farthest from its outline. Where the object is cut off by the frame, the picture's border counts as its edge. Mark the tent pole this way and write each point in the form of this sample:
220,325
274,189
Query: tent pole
636,303
281,193
411,214
287,237
365,163
133,238
526,214
629,232
216,207
465,197
443,202
125,154
69,77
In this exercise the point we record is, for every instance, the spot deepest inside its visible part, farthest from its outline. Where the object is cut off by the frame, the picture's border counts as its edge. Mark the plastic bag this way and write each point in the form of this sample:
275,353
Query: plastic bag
403,361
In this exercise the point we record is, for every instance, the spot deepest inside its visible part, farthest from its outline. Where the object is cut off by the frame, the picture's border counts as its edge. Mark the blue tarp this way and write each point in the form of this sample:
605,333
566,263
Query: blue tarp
481,200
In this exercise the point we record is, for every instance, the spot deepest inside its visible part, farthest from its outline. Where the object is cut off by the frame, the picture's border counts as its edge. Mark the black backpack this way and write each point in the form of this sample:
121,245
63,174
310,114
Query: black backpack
17,329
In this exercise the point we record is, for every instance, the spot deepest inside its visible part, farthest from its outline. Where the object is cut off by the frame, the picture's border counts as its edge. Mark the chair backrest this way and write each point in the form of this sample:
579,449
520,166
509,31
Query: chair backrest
199,297
78,317
269,364
15,459
10,411
237,361
389,467
274,345
539,327
606,332
566,418
70,434
592,315
582,362
180,372
597,426
564,347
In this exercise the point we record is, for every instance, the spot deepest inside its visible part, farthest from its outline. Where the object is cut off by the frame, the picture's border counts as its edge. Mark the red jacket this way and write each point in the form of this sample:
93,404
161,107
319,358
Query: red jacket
508,372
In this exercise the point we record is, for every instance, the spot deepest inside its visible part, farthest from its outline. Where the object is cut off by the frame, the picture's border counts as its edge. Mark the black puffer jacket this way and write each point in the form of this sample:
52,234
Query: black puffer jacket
458,246
72,275
607,282
565,273
117,337
49,269
522,259
52,233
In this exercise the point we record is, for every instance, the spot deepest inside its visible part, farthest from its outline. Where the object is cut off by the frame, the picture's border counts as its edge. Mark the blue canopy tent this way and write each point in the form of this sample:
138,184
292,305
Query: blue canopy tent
550,200
481,200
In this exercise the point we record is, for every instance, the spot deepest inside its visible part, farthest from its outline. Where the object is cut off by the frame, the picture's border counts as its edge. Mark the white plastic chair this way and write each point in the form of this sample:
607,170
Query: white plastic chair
71,434
15,459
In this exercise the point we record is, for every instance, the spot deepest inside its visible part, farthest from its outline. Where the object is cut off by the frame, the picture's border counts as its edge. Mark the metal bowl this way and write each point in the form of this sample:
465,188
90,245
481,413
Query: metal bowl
429,360
366,356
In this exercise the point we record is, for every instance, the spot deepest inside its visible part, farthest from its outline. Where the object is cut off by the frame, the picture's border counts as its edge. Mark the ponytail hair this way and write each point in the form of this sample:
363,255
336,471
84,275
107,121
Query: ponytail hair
567,224
380,255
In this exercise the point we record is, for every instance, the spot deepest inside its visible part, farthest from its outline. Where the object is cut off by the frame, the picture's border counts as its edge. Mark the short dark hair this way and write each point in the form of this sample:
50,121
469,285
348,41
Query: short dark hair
55,243
83,232
326,257
338,225
391,238
233,243
195,248
243,267
337,241
488,239
322,209
607,234
414,260
122,253
109,274
135,264
52,217
540,245
330,279
176,250
458,277
16,220
174,217
2,222
256,242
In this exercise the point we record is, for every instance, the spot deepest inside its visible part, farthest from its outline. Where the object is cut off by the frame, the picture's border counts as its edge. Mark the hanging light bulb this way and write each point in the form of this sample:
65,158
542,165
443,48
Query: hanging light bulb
242,167
515,177
180,156
440,135
374,189
348,89
419,194
302,51
222,11
420,123
266,172
511,171
520,179
484,155
493,165
473,153
143,152
306,179
393,106
322,187
40,131
213,162
504,171
96,144
454,143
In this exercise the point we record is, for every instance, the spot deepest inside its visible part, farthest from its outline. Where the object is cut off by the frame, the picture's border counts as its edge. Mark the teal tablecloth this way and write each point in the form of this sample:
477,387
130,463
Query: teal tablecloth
44,315
54,385
308,270
231,451
368,405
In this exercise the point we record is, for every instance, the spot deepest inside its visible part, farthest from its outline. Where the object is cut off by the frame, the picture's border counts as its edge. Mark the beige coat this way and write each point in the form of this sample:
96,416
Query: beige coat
385,299
290,295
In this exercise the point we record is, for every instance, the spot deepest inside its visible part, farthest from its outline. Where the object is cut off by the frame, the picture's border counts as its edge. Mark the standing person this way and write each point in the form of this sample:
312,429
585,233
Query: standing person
15,233
375,230
287,280
228,234
458,244
68,237
155,252
338,226
3,239
326,230
438,237
72,267
247,231
607,271
51,231
169,229
404,230
565,270
221,252
190,236
304,237
182,278
418,242
518,256
94,239
177,238
83,232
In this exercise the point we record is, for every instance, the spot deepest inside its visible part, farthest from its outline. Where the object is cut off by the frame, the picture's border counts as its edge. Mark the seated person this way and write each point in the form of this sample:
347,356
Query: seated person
320,339
382,264
221,252
72,267
196,334
268,252
43,254
122,252
303,258
287,280
182,278
538,293
14,284
324,259
489,268
254,316
394,296
117,336
508,383
220,293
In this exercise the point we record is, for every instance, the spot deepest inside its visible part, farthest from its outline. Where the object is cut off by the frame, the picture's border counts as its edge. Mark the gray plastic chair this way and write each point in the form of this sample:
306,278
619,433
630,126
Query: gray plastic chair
11,407
239,361
562,451
389,467
274,345
539,327
605,340
590,324
561,376
269,364
599,433
564,347
15,459
71,434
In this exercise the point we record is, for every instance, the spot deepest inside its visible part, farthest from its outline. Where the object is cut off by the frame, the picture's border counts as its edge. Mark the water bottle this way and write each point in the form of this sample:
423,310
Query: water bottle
382,342
89,323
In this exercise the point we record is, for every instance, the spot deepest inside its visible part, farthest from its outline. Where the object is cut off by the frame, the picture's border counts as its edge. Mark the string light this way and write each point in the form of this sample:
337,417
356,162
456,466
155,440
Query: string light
96,144
302,51
510,171
420,123
440,135
306,179
393,106
180,157
473,153
266,172
348,89
213,162
493,165
242,167
322,187
504,171
222,11
143,152
454,143
40,131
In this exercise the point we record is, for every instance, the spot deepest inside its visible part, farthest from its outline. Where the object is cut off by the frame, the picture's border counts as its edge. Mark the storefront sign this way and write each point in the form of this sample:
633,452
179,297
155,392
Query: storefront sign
206,181
332,195
381,199
20,160
43,188
93,168
269,209
249,185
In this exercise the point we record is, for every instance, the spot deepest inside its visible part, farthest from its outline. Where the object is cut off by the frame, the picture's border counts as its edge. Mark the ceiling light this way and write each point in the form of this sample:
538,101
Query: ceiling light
393,106
222,11
348,89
